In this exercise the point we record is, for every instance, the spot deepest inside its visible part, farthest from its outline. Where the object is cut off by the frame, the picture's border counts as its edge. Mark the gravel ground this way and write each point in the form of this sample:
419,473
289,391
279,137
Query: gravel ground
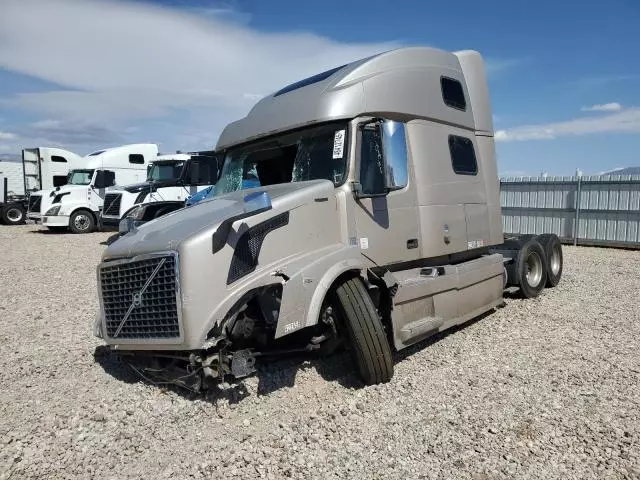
544,388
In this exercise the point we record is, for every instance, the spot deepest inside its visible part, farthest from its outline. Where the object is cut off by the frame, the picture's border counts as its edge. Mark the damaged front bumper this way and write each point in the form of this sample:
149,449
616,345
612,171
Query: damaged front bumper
194,371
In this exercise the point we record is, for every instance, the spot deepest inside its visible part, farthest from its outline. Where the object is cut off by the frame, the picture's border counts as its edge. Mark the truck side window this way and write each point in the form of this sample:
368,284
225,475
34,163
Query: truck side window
395,152
136,158
463,155
59,159
371,164
452,93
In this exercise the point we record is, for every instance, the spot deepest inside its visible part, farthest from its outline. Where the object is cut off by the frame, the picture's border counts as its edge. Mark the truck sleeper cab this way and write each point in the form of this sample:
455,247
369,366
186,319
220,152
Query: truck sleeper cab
376,224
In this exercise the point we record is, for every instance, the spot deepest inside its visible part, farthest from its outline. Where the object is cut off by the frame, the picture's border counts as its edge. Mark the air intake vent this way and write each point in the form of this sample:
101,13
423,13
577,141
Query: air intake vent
245,256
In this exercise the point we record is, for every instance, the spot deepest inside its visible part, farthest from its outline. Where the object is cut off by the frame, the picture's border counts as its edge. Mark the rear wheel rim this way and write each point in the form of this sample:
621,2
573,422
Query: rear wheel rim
14,214
81,222
555,260
533,269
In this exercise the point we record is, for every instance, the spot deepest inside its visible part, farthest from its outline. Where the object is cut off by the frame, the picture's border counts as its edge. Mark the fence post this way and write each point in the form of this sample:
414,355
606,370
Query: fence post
577,216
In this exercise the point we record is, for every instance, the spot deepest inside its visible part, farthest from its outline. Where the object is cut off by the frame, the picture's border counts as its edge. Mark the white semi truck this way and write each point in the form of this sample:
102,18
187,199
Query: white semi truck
376,224
171,178
76,205
41,168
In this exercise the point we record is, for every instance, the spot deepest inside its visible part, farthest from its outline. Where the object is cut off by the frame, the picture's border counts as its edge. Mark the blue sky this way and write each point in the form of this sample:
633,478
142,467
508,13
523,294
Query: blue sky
564,76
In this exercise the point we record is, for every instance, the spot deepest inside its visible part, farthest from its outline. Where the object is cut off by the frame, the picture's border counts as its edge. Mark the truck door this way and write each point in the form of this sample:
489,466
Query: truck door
32,170
385,212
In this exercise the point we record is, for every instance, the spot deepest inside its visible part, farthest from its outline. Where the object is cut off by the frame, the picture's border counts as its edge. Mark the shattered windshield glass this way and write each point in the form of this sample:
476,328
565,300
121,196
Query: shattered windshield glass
310,154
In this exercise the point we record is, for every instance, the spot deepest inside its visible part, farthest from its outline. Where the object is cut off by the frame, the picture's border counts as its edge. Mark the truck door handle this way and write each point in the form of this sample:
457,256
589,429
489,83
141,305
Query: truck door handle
412,243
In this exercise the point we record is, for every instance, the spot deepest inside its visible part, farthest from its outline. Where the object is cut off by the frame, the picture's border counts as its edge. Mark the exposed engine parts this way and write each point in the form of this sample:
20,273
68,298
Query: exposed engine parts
235,344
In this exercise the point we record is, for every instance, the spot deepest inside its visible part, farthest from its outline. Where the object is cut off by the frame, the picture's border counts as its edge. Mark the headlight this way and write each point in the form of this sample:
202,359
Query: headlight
136,213
53,211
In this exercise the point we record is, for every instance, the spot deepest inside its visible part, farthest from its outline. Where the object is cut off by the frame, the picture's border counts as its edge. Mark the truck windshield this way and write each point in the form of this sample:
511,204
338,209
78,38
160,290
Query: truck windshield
310,154
80,177
165,171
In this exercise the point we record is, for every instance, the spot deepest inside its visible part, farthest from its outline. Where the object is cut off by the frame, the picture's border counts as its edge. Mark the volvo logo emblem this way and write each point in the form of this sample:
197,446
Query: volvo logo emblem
137,299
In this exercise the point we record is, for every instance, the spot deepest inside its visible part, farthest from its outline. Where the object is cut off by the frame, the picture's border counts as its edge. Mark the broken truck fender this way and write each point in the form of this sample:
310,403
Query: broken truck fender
312,284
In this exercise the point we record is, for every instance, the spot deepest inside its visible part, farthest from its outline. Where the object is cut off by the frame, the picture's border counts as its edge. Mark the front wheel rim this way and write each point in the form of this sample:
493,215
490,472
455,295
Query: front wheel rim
81,222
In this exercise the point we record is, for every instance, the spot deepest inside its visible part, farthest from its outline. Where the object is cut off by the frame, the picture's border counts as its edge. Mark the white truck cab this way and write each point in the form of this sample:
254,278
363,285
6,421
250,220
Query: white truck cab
172,177
41,168
77,204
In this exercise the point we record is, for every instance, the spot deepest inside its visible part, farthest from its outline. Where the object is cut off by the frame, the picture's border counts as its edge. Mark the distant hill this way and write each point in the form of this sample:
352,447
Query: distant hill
623,171
9,157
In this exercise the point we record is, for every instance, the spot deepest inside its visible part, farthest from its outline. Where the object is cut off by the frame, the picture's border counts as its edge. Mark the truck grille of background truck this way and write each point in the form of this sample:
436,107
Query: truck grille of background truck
34,203
112,204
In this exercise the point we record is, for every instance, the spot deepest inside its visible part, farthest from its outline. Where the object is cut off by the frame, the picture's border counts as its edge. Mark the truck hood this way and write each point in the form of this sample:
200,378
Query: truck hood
153,186
169,231
68,188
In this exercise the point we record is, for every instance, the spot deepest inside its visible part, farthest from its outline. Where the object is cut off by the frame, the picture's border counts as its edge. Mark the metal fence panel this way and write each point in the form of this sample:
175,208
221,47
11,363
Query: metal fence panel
595,210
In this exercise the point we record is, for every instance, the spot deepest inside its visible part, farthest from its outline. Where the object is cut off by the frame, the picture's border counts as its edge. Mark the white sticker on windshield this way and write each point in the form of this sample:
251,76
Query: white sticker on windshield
338,144
364,243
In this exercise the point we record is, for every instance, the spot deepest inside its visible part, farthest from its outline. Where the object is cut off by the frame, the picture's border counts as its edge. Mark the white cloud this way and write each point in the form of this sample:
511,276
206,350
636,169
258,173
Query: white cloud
604,107
495,66
7,135
624,121
121,62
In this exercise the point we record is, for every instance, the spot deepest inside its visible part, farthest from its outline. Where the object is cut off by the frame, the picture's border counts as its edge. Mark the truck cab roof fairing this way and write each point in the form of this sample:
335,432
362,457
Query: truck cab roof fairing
366,86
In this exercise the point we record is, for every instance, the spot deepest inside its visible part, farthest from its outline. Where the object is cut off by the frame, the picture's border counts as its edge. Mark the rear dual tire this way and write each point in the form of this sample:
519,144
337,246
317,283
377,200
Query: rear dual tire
13,214
538,262
553,254
531,269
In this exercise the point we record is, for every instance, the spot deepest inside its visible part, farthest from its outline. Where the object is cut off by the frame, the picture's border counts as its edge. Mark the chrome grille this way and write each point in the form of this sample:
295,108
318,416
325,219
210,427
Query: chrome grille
138,304
112,204
34,203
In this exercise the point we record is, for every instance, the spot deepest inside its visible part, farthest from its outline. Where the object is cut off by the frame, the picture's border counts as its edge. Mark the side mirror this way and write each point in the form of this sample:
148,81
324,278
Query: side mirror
373,163
104,179
100,180
194,173
394,147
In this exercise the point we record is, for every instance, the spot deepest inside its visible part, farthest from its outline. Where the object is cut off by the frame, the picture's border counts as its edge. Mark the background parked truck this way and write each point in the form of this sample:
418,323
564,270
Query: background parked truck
171,178
77,204
41,168
376,224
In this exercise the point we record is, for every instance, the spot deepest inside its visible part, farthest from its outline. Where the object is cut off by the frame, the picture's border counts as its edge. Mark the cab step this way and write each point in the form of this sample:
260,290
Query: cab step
421,327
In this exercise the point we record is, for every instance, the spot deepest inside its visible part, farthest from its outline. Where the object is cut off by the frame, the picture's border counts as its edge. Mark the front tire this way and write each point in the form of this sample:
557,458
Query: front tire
368,342
82,221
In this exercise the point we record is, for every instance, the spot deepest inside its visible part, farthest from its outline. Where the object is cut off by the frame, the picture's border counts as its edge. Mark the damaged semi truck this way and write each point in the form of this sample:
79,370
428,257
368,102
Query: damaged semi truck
376,224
